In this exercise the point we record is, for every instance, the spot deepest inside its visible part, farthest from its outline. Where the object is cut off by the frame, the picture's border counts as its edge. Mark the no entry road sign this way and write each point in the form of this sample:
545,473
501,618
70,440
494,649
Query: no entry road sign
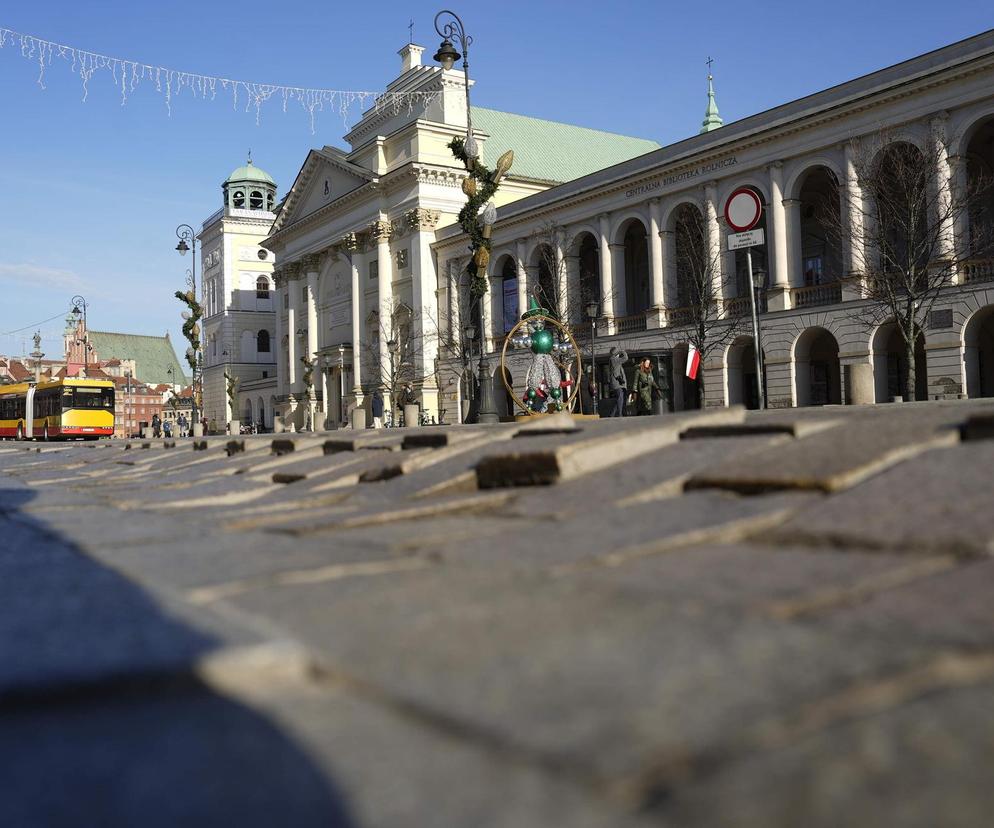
743,209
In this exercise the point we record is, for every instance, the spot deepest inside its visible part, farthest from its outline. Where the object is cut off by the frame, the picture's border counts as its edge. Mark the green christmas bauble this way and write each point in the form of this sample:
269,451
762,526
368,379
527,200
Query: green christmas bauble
542,342
556,393
531,393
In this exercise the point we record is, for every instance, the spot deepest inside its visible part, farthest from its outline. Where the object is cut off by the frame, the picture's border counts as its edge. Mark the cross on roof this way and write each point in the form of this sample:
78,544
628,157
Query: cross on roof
410,27
709,61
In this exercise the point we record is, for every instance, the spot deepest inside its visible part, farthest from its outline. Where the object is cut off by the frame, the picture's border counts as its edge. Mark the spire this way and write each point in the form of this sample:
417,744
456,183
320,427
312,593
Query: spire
250,154
712,120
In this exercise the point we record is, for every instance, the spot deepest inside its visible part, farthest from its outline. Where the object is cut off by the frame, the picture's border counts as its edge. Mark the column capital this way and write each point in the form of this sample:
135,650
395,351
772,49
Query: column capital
291,270
311,263
791,202
616,245
421,218
350,243
278,278
380,231
775,165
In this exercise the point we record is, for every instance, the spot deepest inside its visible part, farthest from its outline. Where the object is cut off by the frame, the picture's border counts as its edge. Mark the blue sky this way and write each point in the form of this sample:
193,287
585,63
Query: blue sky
94,191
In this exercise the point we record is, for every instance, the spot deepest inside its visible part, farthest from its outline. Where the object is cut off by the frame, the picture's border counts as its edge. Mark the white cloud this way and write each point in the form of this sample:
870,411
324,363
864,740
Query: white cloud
33,275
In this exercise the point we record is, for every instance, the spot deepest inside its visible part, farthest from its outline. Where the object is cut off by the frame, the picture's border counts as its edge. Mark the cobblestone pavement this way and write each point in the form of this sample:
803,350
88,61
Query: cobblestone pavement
718,619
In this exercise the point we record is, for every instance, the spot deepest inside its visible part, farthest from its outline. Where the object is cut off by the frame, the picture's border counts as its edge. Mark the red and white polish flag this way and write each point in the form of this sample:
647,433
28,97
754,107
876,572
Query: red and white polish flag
693,362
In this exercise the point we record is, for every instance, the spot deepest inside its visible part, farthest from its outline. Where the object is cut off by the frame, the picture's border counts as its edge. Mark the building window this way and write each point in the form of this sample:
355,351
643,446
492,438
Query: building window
238,199
262,342
269,202
286,301
374,271
402,258
263,254
813,271
255,200
262,288
303,295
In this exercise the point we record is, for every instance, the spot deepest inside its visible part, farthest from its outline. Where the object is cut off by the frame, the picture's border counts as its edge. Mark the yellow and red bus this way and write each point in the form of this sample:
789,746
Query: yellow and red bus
57,409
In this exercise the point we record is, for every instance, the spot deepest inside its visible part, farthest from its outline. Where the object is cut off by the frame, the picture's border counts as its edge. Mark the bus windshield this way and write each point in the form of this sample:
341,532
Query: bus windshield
87,398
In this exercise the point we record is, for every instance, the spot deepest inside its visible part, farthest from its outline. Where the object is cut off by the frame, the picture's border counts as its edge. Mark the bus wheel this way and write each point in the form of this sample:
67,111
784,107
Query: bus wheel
45,437
20,431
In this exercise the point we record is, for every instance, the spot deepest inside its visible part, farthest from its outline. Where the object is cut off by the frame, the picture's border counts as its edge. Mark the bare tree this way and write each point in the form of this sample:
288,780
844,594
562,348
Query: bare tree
712,324
898,218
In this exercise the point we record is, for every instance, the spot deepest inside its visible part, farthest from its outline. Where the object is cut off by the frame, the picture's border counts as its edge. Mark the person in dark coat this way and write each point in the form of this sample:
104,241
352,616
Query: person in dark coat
377,407
619,383
645,388
588,394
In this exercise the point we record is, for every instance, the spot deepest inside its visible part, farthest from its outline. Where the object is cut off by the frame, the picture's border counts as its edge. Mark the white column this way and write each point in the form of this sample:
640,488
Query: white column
522,276
384,285
279,280
292,319
561,276
452,290
715,247
322,420
943,186
357,261
424,283
795,274
657,263
617,268
854,251
486,314
778,296
311,265
607,274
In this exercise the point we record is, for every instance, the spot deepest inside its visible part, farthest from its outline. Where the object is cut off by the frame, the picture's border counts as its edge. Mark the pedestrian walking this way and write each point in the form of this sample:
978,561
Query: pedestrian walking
588,394
156,426
645,389
377,406
619,383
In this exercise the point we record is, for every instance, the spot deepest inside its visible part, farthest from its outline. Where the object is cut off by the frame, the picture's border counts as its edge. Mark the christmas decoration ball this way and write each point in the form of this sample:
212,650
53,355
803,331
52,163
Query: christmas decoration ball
541,342
531,393
556,393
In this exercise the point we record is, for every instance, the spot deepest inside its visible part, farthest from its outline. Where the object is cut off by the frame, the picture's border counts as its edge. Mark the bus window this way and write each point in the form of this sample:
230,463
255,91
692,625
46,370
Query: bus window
88,398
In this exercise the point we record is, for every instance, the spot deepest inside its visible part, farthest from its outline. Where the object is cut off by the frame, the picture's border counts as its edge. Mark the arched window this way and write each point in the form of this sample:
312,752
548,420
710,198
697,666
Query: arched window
238,199
269,202
262,288
509,284
262,342
255,200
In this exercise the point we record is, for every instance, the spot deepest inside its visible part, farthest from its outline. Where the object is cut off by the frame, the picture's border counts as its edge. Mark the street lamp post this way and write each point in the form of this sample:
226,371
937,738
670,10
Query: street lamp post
450,30
79,309
593,308
188,242
470,333
393,346
756,281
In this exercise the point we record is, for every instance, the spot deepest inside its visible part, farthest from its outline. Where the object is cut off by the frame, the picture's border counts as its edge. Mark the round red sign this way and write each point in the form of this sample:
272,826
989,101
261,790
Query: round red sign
743,209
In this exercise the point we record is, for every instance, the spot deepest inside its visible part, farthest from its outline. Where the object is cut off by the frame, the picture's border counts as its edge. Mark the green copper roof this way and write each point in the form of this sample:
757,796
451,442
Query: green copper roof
550,151
250,172
153,355
712,120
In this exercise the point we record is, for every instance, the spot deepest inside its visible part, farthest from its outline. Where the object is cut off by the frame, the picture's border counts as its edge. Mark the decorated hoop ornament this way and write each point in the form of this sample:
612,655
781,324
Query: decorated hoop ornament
565,335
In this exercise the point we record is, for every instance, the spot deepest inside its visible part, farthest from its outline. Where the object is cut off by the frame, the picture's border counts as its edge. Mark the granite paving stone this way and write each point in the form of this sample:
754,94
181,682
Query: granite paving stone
781,619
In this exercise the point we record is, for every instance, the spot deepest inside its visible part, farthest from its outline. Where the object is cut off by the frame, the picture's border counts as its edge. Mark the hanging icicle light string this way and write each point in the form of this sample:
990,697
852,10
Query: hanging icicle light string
129,74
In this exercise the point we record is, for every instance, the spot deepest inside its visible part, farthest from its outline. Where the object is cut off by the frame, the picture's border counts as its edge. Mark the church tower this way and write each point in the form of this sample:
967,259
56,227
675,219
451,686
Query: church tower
239,321
712,120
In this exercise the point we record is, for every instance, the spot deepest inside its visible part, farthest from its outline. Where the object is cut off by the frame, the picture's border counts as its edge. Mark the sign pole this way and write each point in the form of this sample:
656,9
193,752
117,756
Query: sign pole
755,333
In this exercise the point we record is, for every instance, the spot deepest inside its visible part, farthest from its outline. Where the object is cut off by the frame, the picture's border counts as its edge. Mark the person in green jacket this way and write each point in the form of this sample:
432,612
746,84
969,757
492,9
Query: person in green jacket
644,387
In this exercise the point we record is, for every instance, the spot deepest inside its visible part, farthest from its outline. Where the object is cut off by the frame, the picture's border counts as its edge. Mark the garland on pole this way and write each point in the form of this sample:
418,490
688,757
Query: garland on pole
191,326
129,74
480,187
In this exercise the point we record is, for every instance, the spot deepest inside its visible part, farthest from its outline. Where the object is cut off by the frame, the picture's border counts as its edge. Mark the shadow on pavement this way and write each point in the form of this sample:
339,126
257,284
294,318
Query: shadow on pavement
102,722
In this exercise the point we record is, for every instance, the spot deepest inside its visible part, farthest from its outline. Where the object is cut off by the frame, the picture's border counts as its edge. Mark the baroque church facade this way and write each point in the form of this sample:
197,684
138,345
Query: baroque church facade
371,286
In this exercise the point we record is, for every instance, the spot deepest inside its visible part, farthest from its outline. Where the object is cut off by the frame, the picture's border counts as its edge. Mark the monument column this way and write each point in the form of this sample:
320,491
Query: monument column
657,262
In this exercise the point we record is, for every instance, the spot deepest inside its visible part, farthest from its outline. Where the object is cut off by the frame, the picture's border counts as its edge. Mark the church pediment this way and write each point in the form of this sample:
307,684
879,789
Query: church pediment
326,176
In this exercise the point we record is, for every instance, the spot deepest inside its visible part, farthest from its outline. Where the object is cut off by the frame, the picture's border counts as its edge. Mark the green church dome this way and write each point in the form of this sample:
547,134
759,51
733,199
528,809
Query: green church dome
250,173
